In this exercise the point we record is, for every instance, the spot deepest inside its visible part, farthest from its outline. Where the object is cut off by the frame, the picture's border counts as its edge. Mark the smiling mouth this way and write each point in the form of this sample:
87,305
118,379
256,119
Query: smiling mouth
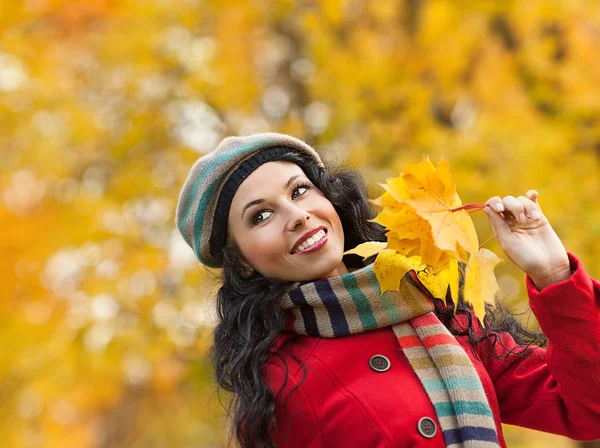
315,245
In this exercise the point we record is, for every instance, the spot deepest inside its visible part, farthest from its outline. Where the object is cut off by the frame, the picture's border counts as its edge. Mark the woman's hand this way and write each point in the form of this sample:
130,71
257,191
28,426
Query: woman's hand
527,238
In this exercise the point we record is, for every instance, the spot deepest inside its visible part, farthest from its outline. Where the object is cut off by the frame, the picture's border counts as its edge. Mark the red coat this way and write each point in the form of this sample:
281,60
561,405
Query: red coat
343,402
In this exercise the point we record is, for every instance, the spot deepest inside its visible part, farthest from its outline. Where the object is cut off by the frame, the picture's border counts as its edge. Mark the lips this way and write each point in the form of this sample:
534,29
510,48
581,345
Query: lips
308,234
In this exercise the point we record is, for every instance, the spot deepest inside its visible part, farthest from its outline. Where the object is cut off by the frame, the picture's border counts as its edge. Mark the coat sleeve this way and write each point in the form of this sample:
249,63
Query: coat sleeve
556,390
296,424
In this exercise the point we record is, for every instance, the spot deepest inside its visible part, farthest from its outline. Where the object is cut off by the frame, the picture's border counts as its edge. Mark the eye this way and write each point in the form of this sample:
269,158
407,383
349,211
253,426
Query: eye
304,187
255,219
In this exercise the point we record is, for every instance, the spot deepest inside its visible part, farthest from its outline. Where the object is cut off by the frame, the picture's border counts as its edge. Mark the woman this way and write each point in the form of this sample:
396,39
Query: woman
315,356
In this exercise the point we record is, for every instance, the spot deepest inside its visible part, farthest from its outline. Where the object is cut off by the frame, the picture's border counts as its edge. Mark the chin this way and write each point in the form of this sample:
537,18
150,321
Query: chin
323,269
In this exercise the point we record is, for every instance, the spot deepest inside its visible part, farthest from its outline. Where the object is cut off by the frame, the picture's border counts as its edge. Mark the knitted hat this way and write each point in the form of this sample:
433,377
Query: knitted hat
204,202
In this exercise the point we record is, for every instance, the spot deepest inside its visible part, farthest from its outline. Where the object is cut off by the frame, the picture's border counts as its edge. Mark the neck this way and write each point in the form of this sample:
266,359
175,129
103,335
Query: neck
340,270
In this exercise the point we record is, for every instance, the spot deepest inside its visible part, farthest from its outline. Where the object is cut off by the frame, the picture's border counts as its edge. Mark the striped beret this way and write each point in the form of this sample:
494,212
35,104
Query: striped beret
203,205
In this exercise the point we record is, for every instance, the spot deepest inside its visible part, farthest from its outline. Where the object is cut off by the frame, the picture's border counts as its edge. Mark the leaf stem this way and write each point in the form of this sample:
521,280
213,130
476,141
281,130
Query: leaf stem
470,207
487,241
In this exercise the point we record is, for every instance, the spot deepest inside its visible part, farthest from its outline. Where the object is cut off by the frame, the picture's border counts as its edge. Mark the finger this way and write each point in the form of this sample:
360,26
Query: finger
496,204
500,227
515,207
533,195
529,206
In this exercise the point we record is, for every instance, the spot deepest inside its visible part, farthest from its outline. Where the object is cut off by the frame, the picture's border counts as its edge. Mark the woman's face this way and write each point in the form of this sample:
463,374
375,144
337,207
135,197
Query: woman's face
271,213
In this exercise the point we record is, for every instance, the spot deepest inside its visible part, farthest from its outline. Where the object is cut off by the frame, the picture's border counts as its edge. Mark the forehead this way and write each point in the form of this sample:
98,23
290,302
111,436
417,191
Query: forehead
270,177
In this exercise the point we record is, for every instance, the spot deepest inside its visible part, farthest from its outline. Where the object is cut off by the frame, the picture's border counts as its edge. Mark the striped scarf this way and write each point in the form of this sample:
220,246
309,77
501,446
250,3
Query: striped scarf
353,303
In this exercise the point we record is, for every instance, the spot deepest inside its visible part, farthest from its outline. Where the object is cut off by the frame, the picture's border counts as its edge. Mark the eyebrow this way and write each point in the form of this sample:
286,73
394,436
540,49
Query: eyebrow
258,201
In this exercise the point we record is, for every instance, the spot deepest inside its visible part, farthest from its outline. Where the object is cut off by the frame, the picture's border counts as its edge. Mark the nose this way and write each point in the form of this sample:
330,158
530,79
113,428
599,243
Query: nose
298,218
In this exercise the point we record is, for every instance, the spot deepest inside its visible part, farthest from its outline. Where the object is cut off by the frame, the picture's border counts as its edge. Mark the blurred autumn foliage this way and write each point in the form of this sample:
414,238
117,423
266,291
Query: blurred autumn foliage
104,105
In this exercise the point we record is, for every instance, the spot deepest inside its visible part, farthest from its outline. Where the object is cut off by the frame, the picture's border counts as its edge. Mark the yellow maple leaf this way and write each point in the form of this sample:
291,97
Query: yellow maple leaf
402,219
367,249
480,281
390,267
409,233
405,246
431,194
437,282
429,231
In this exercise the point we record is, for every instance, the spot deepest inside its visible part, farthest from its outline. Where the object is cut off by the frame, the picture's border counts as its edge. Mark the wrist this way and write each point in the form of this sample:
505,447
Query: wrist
554,275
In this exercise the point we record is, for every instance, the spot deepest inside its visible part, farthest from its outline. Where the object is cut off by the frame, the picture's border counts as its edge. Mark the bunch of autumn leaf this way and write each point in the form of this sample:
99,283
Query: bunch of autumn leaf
431,232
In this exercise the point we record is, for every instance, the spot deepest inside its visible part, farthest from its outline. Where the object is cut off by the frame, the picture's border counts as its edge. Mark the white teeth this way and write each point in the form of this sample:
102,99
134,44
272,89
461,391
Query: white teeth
311,240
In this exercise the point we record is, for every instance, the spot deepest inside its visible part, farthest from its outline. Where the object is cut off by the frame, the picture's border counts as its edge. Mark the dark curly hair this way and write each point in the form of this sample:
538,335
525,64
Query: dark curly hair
250,318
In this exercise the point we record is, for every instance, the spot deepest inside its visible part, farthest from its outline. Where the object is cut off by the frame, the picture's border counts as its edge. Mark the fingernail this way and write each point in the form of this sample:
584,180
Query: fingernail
500,206
535,214
522,217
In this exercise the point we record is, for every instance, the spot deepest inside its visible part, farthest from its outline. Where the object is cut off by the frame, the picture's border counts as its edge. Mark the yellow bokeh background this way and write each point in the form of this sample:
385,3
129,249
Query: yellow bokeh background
105,105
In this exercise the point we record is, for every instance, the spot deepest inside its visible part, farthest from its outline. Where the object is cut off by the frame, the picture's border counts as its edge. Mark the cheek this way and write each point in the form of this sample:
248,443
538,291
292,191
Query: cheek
333,217
261,249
